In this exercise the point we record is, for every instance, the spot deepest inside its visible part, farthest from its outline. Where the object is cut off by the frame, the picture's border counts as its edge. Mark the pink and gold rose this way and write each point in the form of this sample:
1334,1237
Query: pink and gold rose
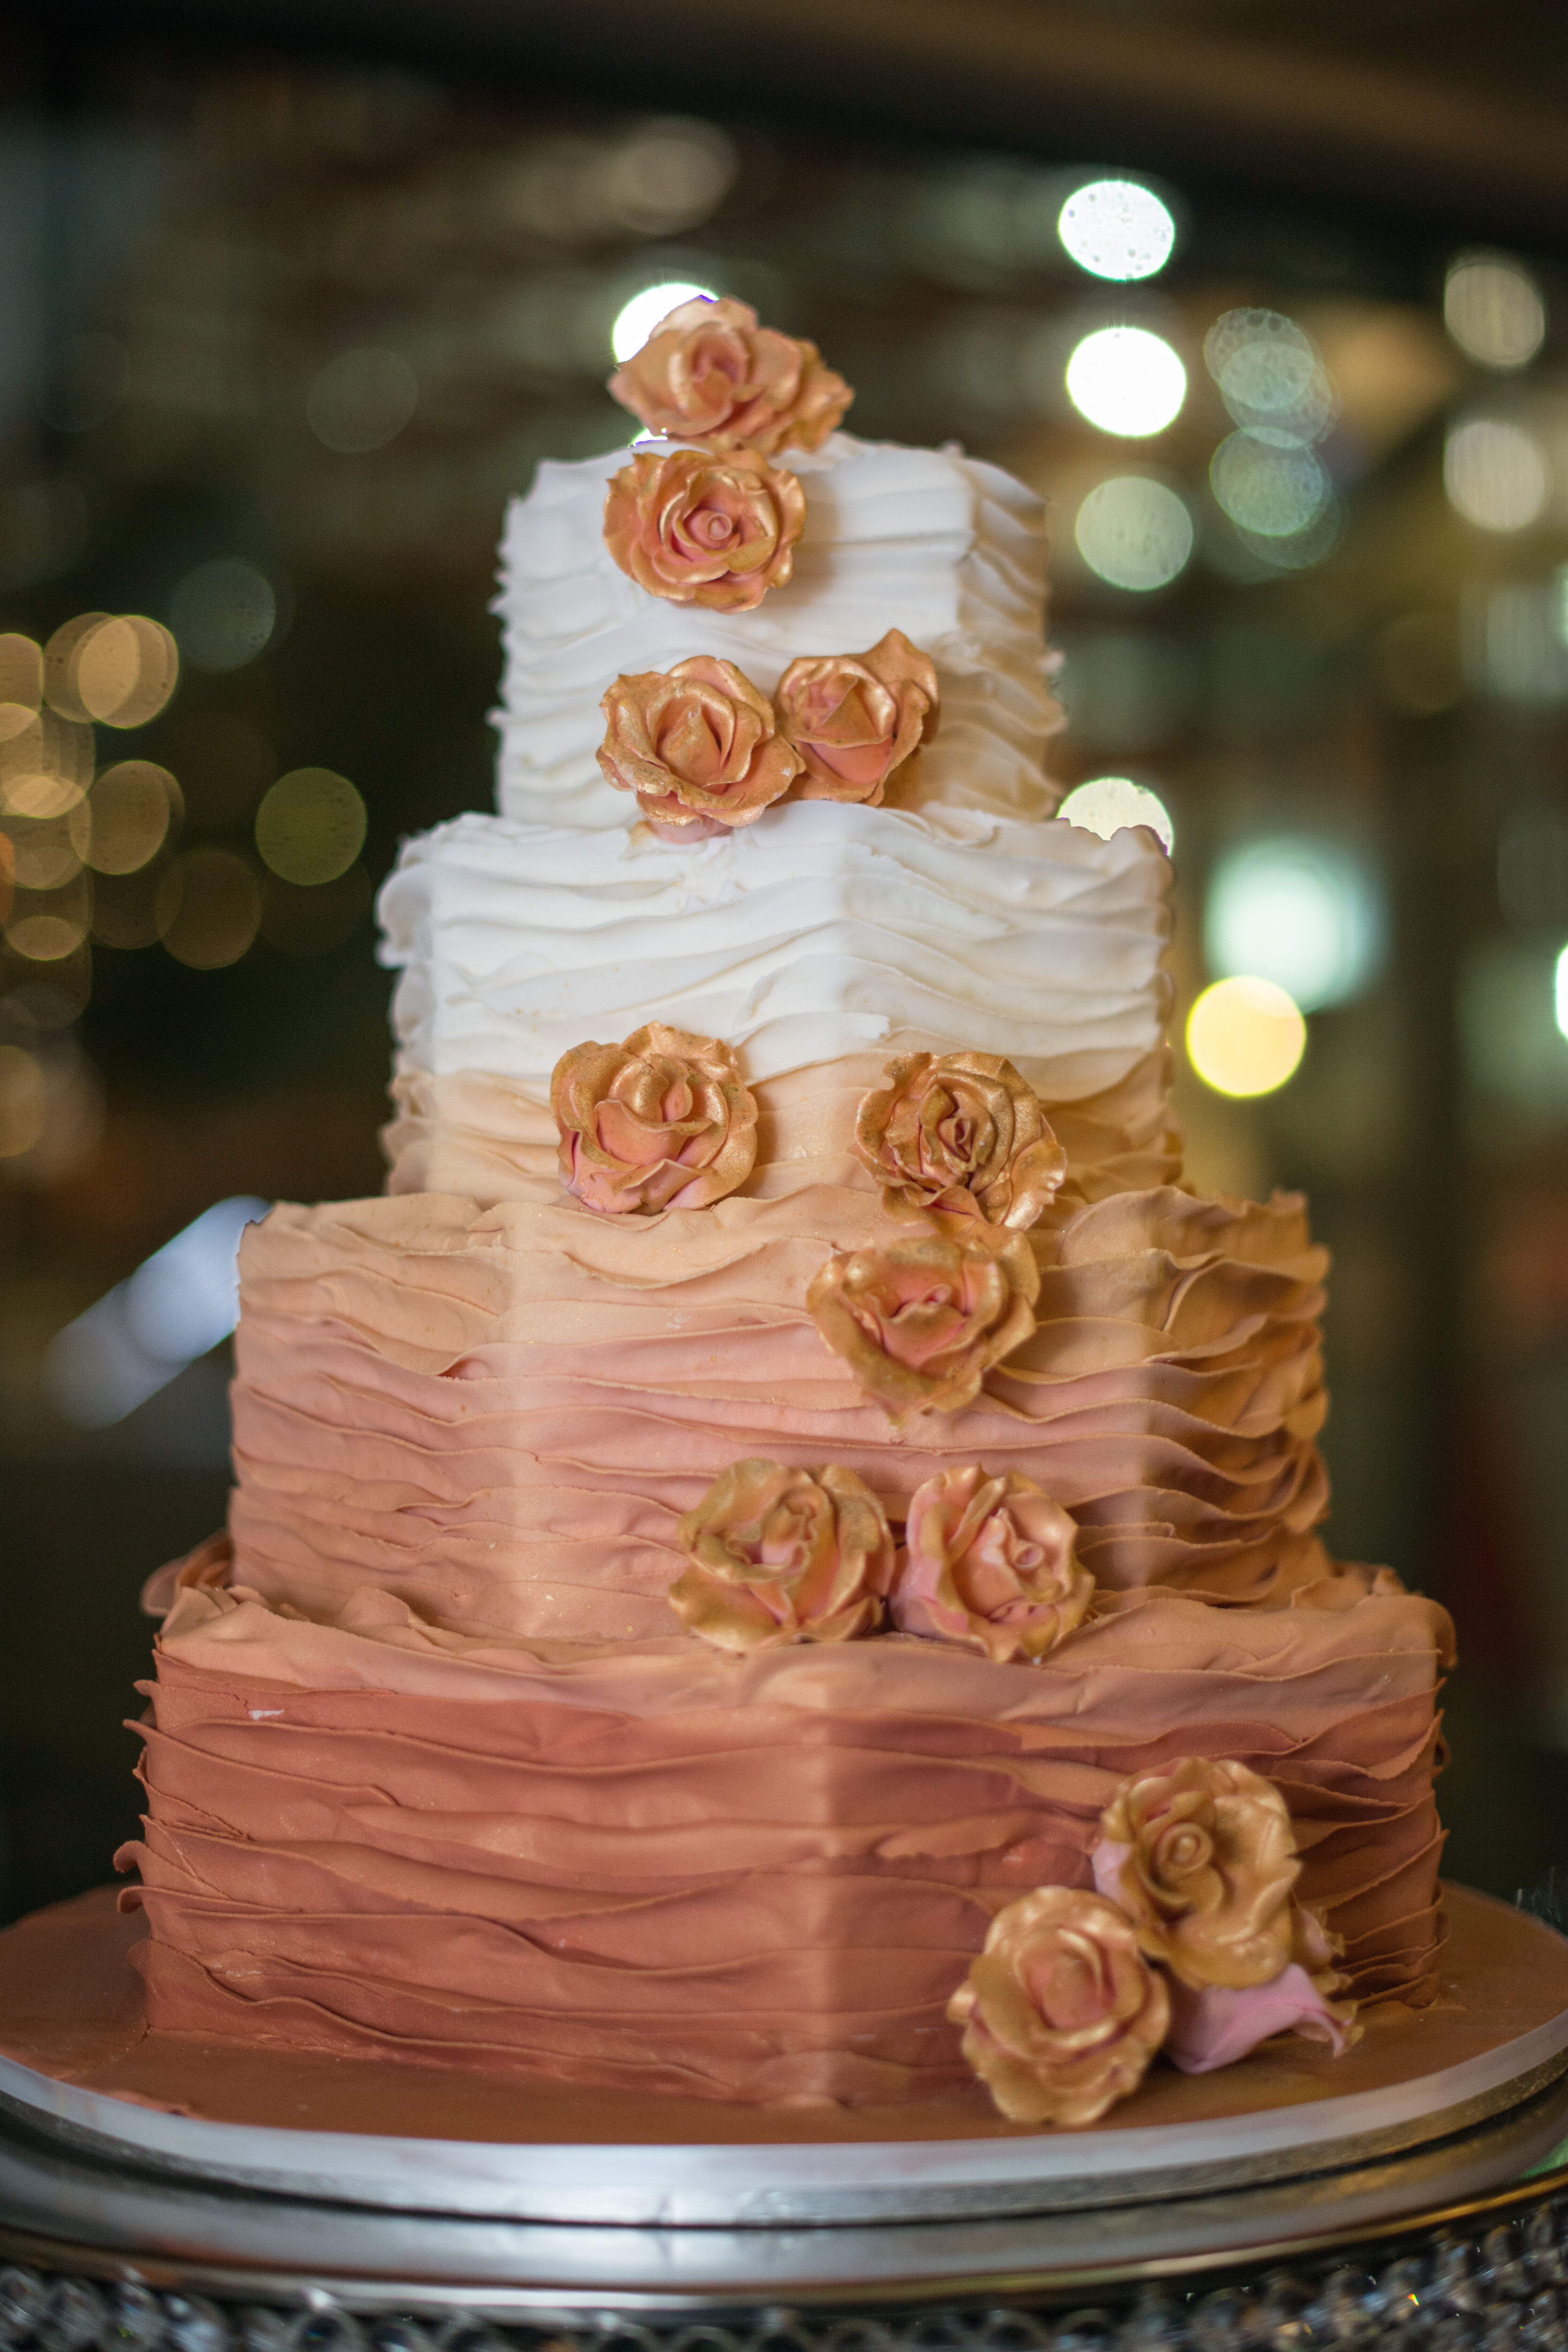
704,530
661,1121
989,1562
710,373
1062,2013
1202,1857
960,1132
783,1555
696,744
920,1321
857,718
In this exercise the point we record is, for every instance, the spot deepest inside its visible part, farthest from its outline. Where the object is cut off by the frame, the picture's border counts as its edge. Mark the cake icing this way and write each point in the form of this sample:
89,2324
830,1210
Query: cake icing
948,549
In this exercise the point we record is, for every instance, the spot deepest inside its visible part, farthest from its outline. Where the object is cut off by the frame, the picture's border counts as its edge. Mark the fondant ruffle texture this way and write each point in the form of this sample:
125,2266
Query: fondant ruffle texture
658,1868
948,550
499,1414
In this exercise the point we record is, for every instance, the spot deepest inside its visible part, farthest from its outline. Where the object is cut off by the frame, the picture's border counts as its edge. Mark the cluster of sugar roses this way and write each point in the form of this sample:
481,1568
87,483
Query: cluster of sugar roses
713,523
959,1143
778,1554
1193,1944
704,750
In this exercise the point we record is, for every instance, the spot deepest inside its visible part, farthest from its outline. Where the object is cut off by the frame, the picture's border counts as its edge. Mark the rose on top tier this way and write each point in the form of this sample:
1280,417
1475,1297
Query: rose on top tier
704,530
783,1555
854,718
710,373
962,1132
697,746
920,1321
1061,2013
661,1121
989,1562
1202,1857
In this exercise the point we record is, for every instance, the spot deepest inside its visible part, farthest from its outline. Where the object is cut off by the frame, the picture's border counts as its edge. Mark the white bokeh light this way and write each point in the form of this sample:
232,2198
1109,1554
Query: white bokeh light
1306,914
1560,992
1133,532
1268,488
636,319
1126,381
1105,804
1496,474
1493,309
1117,229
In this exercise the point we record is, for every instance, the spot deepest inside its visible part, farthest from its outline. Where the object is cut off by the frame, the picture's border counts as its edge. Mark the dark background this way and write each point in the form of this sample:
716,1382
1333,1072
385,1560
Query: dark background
203,208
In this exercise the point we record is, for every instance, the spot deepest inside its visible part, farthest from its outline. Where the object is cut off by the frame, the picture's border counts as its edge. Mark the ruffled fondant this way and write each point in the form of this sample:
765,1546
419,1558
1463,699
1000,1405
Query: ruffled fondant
501,1414
946,548
657,1866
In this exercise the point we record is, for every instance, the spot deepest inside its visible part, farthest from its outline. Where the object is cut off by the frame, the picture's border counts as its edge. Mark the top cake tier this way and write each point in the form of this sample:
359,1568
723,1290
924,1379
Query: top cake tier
947,550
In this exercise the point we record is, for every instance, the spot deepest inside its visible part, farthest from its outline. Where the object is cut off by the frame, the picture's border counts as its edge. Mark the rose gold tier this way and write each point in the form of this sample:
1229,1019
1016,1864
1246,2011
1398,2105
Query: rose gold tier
498,1415
655,1866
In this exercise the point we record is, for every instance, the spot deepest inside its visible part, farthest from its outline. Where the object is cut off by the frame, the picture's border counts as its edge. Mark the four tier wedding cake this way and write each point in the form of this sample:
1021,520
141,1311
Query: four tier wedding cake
778,1561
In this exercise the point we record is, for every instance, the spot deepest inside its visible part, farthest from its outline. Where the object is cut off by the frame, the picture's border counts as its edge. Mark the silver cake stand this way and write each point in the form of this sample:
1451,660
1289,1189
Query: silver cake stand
1433,2212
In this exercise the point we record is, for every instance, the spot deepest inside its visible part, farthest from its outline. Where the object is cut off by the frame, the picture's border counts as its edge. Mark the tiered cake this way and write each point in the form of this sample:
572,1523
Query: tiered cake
649,1650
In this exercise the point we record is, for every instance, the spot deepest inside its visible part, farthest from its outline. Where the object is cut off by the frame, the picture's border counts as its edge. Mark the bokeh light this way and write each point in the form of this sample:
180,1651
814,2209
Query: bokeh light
22,1102
49,936
636,319
43,854
1560,992
209,908
123,672
45,766
1126,381
21,683
1105,804
1274,491
224,613
1493,309
670,175
1304,913
362,400
1496,474
310,825
1271,377
1245,1036
1134,532
126,818
1117,229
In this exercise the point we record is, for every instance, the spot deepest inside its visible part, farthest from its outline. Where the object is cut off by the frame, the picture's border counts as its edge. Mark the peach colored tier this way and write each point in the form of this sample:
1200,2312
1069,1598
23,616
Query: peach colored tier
499,1414
495,1139
660,1867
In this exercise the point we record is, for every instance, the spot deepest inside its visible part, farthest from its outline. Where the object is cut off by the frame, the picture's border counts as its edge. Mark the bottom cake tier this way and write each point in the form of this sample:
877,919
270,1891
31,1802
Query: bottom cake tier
656,1868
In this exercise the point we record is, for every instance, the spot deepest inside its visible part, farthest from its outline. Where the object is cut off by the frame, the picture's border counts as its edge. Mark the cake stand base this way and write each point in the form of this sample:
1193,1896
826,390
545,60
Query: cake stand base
155,2188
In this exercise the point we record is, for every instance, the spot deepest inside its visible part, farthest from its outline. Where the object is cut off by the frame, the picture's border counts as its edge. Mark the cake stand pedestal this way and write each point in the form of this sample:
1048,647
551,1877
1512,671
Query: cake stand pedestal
155,2191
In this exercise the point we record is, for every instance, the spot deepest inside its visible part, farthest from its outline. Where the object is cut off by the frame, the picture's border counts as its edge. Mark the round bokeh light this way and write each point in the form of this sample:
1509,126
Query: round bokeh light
636,319
1133,532
1245,1036
1117,229
1126,381
1106,805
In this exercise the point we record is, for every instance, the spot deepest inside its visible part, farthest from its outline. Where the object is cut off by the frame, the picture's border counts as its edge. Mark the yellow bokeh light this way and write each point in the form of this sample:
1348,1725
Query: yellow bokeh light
124,671
44,767
21,683
208,909
1126,381
48,939
22,1102
310,825
1245,1036
125,819
43,854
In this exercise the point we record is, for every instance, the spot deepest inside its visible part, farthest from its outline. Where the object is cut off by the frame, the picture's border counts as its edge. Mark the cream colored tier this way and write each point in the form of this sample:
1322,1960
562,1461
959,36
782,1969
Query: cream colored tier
818,934
496,1139
948,550
661,1868
498,1415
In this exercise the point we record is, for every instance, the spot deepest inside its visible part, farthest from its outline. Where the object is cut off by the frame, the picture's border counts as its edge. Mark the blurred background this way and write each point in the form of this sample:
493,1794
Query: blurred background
291,299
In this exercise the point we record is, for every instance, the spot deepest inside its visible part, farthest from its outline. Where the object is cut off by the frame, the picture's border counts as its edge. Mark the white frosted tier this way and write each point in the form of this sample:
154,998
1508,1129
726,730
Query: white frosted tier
949,549
817,932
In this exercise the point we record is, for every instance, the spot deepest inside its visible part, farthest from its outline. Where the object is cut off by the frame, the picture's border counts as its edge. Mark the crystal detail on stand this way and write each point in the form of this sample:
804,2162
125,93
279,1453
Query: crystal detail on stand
1502,2289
